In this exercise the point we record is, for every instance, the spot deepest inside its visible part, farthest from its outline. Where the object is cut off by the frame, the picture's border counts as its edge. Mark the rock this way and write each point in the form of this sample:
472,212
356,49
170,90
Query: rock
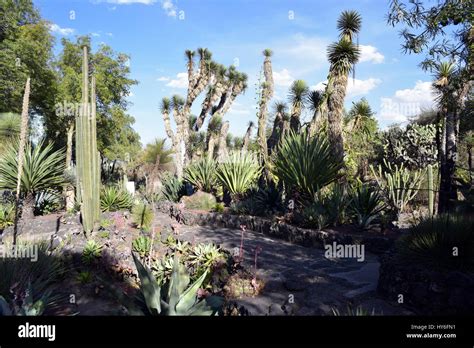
199,201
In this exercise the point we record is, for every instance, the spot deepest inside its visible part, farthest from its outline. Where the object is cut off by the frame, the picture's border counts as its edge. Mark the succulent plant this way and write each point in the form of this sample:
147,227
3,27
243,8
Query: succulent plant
177,297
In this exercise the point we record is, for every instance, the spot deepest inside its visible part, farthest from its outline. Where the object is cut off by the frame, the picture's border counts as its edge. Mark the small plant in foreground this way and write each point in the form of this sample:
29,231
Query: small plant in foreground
142,246
7,215
142,216
114,198
84,277
92,251
180,297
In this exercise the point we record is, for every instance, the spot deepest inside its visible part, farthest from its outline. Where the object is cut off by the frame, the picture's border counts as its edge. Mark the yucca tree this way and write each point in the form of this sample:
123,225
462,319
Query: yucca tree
213,132
297,95
444,85
315,103
247,136
222,150
265,96
358,115
189,54
277,130
42,169
342,56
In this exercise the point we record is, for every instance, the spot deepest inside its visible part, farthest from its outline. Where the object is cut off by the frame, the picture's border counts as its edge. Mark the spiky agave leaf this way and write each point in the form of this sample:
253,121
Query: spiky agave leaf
238,172
43,168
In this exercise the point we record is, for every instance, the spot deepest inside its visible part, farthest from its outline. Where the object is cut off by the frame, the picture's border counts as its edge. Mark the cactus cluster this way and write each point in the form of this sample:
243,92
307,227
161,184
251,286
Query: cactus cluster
87,156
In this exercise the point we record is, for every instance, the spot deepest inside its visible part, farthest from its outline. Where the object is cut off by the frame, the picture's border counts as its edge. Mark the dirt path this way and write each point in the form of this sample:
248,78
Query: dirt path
302,279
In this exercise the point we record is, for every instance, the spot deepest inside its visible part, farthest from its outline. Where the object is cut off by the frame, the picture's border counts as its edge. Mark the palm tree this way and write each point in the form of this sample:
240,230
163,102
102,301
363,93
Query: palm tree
349,24
298,94
315,103
277,130
342,56
247,136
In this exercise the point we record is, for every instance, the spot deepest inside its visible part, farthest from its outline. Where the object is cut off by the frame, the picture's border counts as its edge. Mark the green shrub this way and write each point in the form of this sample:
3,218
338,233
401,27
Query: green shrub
219,207
202,174
305,165
142,216
238,173
114,198
142,246
84,277
199,200
443,242
313,216
7,215
366,204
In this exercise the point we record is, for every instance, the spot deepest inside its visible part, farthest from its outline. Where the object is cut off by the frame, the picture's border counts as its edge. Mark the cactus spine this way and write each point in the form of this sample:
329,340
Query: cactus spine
430,190
87,156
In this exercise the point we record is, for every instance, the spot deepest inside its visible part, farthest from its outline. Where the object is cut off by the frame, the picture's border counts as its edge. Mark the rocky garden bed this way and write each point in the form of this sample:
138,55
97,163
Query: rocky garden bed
276,228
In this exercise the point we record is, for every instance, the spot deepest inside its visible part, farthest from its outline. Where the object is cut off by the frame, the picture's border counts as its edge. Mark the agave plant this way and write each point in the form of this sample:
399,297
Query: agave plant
142,246
172,188
305,165
204,256
202,174
30,288
177,297
114,198
238,173
43,170
366,204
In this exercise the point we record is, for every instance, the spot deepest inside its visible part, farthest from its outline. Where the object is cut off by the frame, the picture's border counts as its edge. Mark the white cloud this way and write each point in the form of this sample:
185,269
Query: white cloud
305,52
282,78
109,34
169,7
163,78
95,34
181,81
360,87
406,102
370,54
62,31
355,87
237,111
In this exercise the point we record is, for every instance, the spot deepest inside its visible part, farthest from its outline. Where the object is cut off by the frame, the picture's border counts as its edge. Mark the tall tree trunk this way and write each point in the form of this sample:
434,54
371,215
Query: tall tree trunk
295,119
222,150
285,129
211,144
276,132
335,110
447,189
247,136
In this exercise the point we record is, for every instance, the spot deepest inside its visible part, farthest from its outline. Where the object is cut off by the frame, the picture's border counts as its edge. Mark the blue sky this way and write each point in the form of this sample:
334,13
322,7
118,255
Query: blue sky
155,33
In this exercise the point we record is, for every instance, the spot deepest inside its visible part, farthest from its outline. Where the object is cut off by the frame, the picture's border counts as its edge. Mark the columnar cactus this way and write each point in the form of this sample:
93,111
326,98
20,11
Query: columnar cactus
87,156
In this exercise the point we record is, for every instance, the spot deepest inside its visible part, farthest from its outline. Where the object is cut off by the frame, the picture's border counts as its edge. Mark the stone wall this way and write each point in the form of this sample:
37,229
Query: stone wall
274,228
428,292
